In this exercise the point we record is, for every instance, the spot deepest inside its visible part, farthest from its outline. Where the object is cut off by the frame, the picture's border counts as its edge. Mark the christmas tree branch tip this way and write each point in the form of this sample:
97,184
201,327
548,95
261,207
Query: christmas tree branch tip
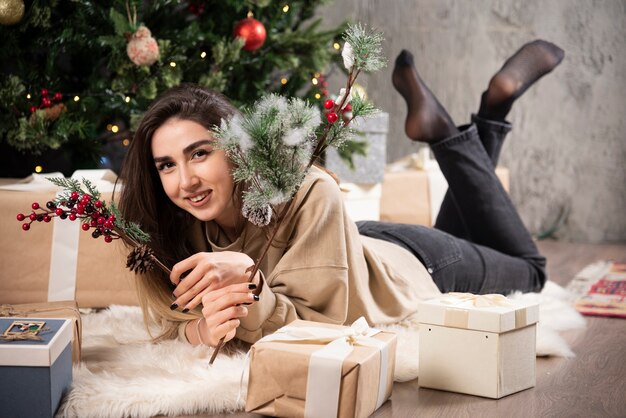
362,50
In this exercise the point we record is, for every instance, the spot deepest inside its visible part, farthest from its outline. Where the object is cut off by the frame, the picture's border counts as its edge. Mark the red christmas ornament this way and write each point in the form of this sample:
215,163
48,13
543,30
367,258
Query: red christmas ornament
332,117
252,31
328,104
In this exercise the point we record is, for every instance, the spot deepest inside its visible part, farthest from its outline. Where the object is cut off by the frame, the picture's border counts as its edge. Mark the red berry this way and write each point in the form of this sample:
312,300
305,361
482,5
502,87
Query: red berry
95,215
33,109
329,104
72,216
98,204
80,209
20,217
74,195
85,227
32,217
100,220
35,206
47,218
58,97
86,198
58,211
108,238
44,92
108,224
347,107
25,227
332,117
45,102
112,218
93,222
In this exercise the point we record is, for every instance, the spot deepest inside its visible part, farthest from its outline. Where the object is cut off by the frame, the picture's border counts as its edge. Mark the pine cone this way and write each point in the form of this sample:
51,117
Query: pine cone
140,259
260,216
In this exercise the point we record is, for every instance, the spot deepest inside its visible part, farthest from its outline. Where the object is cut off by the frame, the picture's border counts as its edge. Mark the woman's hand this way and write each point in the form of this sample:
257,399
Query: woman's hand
206,272
222,310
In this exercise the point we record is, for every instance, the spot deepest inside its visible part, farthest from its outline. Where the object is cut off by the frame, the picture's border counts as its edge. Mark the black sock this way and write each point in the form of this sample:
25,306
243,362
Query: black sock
427,120
519,72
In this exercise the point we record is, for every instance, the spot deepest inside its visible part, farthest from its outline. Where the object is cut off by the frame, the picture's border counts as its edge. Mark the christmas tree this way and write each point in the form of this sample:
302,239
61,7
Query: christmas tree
76,76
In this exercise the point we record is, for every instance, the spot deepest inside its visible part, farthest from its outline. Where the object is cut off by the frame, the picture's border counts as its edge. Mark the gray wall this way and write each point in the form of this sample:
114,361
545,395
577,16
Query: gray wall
568,147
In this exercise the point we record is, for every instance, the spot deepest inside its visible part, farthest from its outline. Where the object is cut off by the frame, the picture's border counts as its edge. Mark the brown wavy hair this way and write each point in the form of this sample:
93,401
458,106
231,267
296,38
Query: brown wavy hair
144,201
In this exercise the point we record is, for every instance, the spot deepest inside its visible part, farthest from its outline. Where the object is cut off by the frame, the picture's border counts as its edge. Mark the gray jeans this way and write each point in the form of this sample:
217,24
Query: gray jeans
479,243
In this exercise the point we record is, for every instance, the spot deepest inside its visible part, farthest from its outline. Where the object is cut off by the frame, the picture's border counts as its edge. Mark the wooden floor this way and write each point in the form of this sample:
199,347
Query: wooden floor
593,384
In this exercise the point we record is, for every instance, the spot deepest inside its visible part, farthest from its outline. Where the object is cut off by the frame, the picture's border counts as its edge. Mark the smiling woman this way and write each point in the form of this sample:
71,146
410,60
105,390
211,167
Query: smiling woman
321,266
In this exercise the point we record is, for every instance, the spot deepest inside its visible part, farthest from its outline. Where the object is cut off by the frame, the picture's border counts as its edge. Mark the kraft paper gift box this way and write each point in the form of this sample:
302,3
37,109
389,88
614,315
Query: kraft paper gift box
310,369
57,260
413,190
34,375
481,345
60,310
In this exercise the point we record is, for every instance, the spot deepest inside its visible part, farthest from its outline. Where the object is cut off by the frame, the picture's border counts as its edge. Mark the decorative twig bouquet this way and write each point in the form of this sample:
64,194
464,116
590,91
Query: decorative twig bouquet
83,203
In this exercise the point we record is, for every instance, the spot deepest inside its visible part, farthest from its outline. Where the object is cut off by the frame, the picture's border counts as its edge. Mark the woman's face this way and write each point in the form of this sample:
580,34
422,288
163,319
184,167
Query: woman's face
195,175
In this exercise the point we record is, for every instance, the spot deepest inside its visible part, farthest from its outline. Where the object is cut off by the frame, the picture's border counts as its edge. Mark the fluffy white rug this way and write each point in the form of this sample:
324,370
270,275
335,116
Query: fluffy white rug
122,374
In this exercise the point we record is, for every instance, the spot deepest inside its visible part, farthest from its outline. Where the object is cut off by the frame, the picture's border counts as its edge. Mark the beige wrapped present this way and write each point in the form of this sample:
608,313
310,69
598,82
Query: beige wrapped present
413,190
57,260
482,345
62,310
310,369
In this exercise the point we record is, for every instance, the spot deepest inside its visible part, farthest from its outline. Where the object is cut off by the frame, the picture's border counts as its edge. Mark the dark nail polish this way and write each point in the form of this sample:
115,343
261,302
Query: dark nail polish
173,306
256,297
185,310
251,286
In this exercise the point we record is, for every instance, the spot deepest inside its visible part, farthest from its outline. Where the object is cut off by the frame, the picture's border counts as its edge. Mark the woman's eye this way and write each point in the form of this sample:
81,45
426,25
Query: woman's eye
200,153
165,166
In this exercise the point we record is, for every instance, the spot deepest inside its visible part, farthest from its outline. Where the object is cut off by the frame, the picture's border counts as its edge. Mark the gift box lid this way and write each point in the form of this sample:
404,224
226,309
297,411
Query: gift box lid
55,336
492,313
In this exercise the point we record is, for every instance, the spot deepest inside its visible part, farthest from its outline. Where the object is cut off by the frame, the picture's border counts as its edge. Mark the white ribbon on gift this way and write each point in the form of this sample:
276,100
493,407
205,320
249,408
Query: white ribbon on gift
65,235
465,300
324,378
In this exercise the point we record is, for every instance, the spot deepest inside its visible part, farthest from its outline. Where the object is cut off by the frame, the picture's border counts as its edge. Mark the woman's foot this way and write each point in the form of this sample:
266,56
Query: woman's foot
519,72
427,120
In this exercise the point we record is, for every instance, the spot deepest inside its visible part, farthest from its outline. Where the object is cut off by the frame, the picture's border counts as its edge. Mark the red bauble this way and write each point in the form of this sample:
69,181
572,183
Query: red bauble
332,117
328,104
252,31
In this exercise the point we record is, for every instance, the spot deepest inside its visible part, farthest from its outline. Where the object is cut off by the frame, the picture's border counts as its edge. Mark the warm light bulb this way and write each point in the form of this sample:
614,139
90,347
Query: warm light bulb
127,99
318,96
336,46
114,129
286,8
76,98
283,81
125,142
203,55
38,169
314,81
109,126
172,64
28,96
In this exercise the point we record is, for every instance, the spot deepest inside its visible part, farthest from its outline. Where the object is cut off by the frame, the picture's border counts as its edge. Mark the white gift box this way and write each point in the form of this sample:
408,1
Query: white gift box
481,345
362,201
35,375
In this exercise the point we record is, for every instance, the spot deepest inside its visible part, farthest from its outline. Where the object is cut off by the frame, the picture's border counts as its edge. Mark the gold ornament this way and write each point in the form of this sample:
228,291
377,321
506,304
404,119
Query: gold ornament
11,11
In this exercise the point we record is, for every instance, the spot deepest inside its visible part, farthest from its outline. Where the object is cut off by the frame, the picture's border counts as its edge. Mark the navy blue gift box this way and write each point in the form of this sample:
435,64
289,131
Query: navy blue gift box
34,375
